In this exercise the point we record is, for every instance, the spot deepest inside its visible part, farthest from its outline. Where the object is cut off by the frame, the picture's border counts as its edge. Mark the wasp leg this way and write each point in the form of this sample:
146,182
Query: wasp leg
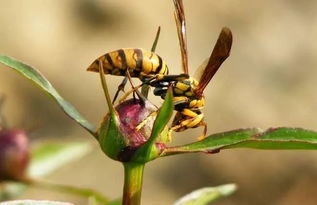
132,91
176,102
203,136
135,89
158,79
192,120
141,124
120,88
130,81
129,93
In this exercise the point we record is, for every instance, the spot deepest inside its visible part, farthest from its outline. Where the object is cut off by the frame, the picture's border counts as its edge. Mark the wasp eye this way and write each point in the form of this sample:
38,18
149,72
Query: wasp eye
160,91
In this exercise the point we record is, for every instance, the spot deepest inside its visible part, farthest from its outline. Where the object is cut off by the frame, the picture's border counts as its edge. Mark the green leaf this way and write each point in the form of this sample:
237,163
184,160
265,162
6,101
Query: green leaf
49,157
34,202
37,78
273,138
115,202
157,36
206,195
92,195
11,190
93,201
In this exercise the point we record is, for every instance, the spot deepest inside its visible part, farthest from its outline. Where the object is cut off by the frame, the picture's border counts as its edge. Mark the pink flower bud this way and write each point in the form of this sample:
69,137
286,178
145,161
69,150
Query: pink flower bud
14,154
123,132
131,113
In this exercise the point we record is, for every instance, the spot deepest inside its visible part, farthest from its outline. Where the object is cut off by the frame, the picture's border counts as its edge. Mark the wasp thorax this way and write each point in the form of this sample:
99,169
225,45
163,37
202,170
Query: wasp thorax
136,121
14,154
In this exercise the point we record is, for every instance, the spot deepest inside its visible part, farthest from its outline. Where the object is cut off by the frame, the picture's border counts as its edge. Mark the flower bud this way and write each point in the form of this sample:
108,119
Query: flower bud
131,113
14,154
121,133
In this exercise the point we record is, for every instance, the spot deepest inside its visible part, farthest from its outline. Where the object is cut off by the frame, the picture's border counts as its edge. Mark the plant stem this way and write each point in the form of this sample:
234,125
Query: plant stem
133,178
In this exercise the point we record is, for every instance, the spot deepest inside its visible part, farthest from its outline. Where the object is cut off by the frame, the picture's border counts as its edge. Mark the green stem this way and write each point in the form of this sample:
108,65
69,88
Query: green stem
83,192
133,178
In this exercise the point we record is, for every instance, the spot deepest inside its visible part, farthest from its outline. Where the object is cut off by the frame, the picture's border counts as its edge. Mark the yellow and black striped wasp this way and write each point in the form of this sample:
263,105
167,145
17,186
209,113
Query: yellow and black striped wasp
188,93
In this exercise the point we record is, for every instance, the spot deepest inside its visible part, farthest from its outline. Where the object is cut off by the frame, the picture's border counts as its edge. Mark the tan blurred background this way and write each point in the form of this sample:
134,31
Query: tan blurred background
269,80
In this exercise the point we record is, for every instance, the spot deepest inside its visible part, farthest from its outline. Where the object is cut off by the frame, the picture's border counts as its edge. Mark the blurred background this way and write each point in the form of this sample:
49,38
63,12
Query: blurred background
269,80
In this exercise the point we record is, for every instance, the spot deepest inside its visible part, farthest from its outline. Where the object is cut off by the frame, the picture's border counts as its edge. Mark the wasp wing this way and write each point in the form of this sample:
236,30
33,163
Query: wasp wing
219,54
181,31
200,70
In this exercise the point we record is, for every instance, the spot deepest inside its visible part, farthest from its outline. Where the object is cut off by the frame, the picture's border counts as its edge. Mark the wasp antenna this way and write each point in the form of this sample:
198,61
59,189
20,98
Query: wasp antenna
179,15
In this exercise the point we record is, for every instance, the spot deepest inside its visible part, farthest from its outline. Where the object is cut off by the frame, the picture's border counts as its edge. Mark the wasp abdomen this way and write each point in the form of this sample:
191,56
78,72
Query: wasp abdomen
138,62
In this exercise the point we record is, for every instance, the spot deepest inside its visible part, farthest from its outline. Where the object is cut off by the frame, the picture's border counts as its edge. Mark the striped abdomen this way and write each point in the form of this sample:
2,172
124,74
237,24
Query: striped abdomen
140,63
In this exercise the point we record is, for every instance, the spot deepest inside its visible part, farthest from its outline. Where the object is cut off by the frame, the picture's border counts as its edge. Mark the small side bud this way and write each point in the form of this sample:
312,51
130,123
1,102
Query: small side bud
14,154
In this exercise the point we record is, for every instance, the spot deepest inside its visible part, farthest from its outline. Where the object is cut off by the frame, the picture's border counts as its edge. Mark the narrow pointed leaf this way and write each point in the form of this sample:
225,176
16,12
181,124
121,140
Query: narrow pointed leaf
274,138
149,151
157,36
206,195
38,79
163,116
49,157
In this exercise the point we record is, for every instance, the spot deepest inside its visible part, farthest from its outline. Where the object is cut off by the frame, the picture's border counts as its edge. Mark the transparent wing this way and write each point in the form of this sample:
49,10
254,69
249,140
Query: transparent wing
219,54
200,70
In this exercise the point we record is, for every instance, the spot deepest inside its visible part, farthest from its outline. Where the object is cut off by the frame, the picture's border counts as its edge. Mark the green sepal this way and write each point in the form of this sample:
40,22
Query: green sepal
149,151
111,141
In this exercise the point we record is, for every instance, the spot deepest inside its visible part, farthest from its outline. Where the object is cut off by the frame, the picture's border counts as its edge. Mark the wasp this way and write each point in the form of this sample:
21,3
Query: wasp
188,93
